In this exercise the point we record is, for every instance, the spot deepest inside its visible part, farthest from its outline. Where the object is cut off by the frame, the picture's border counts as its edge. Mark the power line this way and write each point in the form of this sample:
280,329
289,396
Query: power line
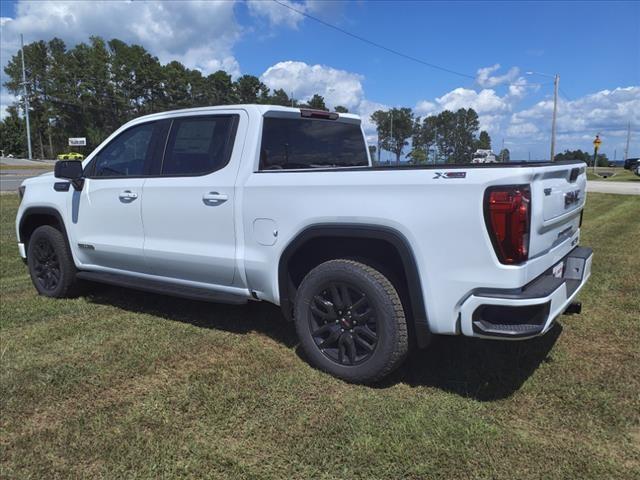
564,94
391,50
375,44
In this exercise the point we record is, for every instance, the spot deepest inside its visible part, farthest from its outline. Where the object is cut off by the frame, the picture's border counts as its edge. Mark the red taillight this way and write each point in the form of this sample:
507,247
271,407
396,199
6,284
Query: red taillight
508,217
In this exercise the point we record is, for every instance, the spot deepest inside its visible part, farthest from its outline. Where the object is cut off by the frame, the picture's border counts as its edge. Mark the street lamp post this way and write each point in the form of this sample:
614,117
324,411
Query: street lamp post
556,86
26,97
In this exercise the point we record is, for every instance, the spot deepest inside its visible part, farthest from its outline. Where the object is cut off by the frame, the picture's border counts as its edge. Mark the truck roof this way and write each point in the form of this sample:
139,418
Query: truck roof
260,109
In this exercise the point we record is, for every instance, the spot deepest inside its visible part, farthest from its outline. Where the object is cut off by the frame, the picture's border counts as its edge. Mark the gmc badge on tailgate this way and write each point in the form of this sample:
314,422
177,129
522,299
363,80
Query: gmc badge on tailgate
571,197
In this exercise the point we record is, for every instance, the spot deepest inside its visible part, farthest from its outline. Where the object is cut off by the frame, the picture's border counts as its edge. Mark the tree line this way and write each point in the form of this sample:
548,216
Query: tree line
448,137
586,157
93,88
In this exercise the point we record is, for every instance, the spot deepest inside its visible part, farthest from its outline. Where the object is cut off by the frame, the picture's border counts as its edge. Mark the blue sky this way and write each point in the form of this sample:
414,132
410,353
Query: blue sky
593,46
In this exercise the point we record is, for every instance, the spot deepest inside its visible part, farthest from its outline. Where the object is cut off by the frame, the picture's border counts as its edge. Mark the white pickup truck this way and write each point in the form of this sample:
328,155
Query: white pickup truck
266,203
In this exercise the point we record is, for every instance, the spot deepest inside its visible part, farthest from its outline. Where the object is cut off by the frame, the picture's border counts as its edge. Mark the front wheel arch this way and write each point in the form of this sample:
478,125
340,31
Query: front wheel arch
34,217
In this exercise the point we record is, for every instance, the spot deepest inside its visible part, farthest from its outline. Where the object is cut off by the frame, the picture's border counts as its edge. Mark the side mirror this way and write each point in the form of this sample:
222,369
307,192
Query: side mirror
70,170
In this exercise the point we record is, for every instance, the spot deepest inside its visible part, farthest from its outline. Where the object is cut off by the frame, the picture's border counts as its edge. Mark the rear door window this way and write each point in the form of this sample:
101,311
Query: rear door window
292,143
199,145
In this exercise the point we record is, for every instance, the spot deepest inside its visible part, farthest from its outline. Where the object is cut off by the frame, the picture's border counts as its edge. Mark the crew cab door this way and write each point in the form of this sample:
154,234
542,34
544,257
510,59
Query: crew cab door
106,222
188,205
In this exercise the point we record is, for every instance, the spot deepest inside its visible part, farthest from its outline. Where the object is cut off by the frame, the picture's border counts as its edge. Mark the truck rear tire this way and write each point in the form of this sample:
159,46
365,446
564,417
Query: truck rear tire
51,266
350,321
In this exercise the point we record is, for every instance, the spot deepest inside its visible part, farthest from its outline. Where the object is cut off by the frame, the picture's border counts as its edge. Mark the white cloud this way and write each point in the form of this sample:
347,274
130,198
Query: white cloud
203,34
491,123
492,108
606,109
484,101
518,88
338,87
606,112
302,80
425,108
516,84
522,129
486,80
199,34
6,99
277,14
365,109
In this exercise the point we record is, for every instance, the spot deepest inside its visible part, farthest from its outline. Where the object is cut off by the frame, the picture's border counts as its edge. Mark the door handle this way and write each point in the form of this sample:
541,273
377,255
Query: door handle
127,196
214,198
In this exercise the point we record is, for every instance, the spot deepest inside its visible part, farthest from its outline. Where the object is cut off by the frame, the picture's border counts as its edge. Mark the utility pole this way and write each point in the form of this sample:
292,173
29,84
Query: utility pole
26,98
626,149
556,84
435,145
391,140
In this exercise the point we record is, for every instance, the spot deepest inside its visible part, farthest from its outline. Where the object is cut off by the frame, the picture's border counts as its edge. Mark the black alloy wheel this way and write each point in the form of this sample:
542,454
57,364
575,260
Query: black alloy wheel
350,321
343,323
51,266
46,264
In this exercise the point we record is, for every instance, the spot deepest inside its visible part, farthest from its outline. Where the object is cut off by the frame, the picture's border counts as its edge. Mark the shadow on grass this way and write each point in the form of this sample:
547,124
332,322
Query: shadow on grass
259,317
481,369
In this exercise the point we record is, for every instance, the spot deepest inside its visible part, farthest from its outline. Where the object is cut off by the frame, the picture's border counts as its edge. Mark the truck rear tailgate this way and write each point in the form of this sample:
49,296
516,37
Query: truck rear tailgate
557,197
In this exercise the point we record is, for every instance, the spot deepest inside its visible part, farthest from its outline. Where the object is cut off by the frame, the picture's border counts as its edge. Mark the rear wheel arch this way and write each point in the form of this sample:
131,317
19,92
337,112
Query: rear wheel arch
381,247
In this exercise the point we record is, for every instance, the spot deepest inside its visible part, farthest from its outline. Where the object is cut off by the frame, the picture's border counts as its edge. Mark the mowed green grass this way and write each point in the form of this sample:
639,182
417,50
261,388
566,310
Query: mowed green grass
121,384
620,175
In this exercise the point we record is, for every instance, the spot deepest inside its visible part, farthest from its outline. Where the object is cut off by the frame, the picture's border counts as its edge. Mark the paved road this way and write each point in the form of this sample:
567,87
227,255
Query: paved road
23,162
622,188
10,180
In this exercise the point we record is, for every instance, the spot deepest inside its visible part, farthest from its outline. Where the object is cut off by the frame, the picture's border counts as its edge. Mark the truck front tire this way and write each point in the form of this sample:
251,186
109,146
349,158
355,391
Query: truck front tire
350,321
51,266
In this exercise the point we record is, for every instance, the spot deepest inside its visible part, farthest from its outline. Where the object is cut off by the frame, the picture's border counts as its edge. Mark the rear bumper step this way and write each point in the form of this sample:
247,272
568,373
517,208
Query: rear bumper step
530,310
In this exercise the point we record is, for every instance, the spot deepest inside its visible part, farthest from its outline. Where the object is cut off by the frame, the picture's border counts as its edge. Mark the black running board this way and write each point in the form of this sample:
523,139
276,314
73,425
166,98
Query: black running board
162,288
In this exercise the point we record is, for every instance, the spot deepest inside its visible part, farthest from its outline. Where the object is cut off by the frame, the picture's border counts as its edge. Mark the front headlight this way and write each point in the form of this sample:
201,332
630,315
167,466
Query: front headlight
21,190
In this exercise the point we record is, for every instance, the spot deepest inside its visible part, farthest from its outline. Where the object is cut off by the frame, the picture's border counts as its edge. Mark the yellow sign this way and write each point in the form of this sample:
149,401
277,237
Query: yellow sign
597,142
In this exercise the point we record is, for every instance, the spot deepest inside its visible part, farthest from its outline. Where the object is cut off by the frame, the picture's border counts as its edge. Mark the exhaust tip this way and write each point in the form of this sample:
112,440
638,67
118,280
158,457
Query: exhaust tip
574,307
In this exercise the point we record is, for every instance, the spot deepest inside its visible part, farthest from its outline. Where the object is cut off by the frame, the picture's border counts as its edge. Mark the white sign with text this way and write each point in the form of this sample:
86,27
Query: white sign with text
78,142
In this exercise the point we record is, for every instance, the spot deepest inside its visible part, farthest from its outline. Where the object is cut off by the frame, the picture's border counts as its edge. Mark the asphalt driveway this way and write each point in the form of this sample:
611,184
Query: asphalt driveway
621,188
10,180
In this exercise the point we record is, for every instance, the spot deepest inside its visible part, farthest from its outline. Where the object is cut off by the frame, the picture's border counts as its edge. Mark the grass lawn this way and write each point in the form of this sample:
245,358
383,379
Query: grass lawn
125,384
35,166
620,175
